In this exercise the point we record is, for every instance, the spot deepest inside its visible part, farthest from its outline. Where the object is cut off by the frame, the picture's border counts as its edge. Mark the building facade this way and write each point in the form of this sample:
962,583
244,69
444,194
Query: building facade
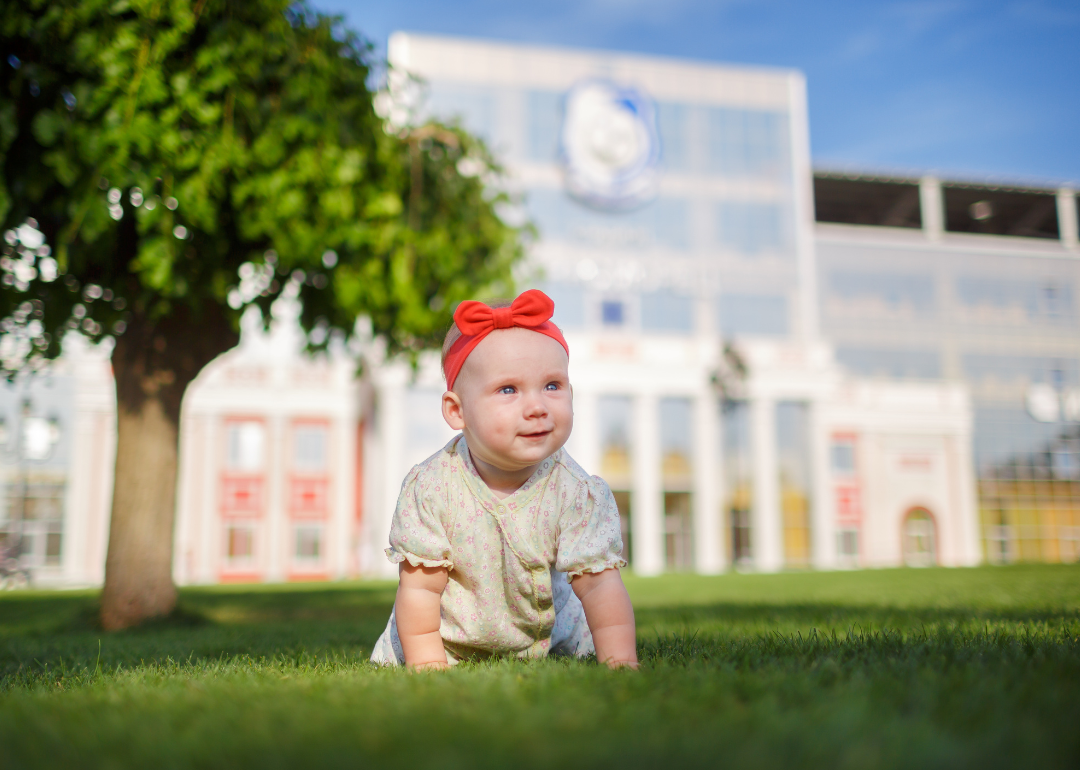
675,205
974,283
773,368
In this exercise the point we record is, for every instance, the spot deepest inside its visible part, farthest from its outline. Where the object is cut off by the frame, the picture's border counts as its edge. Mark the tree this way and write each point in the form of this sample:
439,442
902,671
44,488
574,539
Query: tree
166,163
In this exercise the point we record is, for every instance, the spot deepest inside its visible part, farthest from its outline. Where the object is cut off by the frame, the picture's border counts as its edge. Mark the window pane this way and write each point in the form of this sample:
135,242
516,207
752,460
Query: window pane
569,299
753,314
612,313
667,311
747,143
676,440
738,483
474,107
793,456
1023,370
843,457
544,118
53,542
848,546
615,415
890,296
899,364
673,120
246,442
663,223
678,531
308,543
752,228
240,542
309,447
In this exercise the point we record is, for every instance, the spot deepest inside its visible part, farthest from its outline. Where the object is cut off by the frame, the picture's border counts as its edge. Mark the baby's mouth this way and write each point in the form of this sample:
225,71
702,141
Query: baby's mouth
537,434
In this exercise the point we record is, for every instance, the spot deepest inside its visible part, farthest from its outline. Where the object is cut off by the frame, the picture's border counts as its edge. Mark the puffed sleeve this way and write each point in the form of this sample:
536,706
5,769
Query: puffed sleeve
590,534
418,531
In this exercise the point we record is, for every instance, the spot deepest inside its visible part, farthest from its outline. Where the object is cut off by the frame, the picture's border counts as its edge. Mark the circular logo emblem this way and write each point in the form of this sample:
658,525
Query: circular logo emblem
609,145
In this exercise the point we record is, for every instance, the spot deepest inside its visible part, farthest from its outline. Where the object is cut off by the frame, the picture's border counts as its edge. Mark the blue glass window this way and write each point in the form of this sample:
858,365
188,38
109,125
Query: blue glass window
1021,369
667,311
1005,436
754,314
842,454
664,223
752,228
674,140
543,118
569,299
747,143
612,312
891,288
475,108
547,210
670,222
900,364
1050,301
676,433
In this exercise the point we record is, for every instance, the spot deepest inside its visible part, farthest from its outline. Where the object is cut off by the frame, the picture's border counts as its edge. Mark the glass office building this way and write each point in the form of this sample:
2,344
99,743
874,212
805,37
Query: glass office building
973,283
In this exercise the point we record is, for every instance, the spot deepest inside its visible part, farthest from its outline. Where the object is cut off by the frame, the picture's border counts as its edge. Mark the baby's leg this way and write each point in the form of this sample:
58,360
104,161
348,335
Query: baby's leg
571,635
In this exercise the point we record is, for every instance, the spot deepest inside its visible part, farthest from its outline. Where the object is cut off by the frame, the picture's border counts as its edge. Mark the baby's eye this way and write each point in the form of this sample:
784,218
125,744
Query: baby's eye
508,390
551,386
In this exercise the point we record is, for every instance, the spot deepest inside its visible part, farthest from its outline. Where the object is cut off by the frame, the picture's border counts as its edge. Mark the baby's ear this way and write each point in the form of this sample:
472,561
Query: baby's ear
452,410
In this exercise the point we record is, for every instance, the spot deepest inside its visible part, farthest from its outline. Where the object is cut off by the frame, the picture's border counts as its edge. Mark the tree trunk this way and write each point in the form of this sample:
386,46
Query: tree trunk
153,362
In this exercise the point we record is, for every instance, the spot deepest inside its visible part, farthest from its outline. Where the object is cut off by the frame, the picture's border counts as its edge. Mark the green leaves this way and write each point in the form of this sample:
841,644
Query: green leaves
160,145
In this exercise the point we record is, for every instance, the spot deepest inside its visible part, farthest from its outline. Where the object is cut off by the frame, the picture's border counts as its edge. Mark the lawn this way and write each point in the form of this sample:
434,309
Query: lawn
879,669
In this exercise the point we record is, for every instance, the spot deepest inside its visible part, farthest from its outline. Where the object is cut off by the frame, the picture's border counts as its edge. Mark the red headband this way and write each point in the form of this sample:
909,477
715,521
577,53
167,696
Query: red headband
531,310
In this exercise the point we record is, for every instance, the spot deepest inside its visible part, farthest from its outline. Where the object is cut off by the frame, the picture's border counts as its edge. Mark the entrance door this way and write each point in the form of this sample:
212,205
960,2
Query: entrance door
920,539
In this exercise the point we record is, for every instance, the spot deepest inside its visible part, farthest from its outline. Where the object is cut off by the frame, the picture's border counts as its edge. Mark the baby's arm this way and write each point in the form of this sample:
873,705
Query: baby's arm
417,610
610,616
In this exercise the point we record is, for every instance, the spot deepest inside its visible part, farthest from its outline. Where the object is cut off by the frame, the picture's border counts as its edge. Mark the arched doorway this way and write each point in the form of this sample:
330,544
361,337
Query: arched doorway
919,538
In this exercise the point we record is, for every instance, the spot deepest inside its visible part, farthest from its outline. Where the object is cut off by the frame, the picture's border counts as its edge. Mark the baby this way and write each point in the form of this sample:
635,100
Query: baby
505,545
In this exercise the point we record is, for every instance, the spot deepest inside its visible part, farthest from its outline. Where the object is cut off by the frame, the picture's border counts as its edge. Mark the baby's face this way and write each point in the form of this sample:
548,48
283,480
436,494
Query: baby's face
515,403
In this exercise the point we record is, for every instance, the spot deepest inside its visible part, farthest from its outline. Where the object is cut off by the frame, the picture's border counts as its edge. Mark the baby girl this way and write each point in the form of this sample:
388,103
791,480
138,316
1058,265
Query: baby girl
505,545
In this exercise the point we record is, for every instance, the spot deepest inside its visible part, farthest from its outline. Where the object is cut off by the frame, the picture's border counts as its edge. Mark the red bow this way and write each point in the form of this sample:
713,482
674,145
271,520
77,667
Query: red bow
531,310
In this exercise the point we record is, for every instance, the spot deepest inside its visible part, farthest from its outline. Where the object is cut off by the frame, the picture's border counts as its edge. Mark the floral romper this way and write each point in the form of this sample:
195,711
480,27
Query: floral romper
510,561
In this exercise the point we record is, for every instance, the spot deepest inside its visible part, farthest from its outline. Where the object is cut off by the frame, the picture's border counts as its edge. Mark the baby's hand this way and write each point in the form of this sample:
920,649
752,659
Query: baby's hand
613,664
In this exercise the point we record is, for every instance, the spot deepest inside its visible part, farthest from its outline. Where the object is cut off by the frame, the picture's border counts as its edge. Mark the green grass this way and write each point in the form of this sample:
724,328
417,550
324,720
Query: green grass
893,668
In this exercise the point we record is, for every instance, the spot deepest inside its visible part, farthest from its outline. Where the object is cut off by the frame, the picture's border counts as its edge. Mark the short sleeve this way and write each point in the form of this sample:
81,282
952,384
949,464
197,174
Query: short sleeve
418,531
590,533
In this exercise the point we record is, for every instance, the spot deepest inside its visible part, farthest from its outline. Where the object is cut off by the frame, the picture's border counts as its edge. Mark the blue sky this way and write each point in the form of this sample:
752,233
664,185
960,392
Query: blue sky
988,90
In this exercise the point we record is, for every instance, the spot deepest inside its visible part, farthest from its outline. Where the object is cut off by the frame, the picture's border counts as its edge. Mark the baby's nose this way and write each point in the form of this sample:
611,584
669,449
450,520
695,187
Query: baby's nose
535,407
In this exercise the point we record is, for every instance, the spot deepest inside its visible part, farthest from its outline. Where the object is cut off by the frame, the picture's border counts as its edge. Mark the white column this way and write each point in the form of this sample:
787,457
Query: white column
967,495
209,549
584,443
708,551
185,525
343,489
767,534
1067,224
278,534
391,405
932,204
822,511
803,209
647,501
